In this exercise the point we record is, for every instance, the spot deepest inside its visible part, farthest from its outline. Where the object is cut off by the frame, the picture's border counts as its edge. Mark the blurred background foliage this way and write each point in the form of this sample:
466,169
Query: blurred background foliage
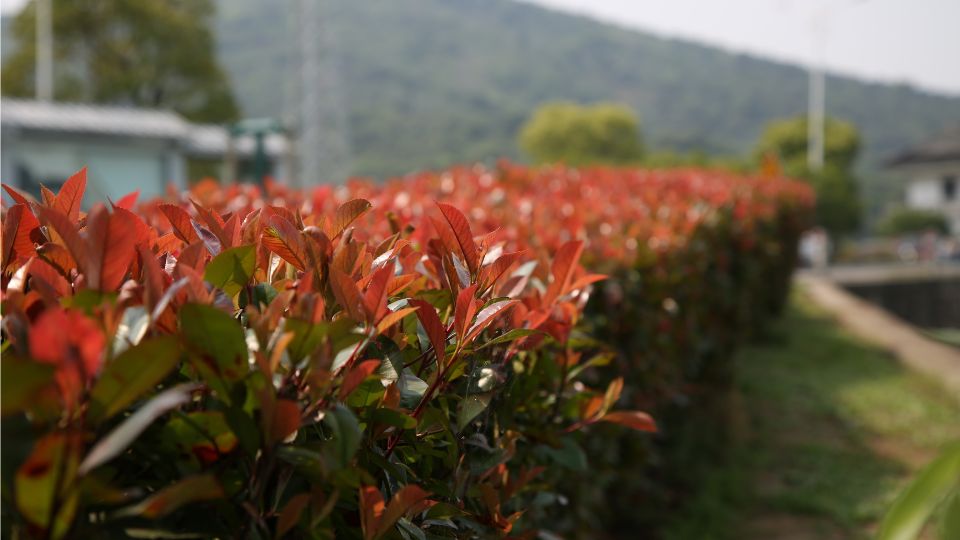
605,133
148,54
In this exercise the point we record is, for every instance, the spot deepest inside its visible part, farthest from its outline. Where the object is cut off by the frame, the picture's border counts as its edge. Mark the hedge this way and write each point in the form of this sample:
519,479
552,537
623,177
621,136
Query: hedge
426,358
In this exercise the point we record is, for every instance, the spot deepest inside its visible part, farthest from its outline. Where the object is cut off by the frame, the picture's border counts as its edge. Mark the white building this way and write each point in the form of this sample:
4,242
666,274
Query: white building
123,148
932,170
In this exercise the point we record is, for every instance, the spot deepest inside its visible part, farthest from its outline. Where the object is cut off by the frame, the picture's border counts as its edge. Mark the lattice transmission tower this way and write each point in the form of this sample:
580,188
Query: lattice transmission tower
322,125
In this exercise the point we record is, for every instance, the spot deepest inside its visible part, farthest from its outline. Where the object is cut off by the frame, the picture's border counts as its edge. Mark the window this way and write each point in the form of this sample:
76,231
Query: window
949,188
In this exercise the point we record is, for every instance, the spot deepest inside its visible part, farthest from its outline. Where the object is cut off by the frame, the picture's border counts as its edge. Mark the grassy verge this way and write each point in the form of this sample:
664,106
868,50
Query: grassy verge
827,429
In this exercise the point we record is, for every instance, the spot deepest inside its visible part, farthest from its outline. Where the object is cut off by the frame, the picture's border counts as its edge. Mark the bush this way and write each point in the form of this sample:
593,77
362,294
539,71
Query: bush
364,362
913,221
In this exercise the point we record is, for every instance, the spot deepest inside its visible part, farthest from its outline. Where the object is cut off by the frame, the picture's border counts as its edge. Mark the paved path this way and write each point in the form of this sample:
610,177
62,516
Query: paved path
872,323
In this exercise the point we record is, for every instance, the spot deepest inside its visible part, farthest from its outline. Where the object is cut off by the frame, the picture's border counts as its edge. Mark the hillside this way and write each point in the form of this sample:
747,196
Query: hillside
430,82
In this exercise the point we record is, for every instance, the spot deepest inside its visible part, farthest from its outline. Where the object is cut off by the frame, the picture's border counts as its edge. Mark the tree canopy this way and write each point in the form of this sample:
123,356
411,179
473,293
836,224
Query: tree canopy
838,201
604,133
157,54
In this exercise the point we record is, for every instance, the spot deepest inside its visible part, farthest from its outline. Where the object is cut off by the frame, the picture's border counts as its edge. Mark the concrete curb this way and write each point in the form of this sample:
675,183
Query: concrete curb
873,324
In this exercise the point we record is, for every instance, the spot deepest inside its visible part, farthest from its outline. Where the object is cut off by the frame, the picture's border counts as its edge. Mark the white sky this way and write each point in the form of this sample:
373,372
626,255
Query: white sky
916,41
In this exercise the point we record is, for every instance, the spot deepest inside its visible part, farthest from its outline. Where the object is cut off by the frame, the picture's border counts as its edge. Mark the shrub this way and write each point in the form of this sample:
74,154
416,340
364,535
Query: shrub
913,221
362,361
259,373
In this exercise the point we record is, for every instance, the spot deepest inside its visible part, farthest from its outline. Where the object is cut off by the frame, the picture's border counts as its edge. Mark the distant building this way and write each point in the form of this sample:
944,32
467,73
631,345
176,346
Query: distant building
124,148
932,169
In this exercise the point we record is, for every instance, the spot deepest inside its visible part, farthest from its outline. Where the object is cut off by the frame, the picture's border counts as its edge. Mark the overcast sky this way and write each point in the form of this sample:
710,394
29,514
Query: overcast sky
916,41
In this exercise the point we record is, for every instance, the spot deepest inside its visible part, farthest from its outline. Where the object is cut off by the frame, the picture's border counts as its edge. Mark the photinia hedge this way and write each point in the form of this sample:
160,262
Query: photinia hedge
414,359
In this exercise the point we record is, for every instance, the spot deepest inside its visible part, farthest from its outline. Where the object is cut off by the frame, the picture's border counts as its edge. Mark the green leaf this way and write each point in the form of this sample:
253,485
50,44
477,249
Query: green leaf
132,374
569,455
52,464
218,344
232,269
306,338
204,434
191,489
393,418
345,433
123,435
950,523
21,382
926,492
471,407
411,388
506,337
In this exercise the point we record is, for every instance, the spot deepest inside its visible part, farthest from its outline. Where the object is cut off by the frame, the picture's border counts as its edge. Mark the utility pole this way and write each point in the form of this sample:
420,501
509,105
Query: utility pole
815,117
816,96
323,142
44,67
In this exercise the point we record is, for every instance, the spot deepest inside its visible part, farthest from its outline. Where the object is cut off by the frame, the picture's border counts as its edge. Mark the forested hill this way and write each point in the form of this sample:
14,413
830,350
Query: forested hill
430,82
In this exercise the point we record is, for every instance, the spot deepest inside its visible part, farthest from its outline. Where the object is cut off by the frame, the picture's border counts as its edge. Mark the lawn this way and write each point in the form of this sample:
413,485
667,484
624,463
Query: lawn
827,429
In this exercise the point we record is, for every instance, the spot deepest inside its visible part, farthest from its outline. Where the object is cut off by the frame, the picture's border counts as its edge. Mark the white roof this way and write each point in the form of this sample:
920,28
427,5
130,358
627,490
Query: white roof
207,140
92,119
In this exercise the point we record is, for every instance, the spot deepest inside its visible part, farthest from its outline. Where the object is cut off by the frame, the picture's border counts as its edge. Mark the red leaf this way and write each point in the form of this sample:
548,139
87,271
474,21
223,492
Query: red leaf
465,310
153,279
71,195
40,269
66,232
404,500
286,419
111,243
462,239
128,201
371,510
393,318
347,294
19,229
638,420
180,221
72,343
489,314
357,375
436,332
18,197
282,238
213,222
375,297
564,263
347,213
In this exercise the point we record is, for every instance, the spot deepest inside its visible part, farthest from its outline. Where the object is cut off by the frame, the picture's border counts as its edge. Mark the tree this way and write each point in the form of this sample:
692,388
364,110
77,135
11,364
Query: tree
565,132
838,203
914,221
158,53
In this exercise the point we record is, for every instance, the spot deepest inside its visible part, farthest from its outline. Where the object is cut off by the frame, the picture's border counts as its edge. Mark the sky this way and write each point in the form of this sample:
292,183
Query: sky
913,41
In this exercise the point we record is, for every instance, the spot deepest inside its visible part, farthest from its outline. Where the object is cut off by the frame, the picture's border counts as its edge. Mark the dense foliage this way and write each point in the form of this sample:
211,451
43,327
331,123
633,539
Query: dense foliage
600,134
838,200
361,360
429,83
914,221
148,54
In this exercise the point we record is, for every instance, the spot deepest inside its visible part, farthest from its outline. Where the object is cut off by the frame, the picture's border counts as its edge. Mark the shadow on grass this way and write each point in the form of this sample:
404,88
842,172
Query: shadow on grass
826,429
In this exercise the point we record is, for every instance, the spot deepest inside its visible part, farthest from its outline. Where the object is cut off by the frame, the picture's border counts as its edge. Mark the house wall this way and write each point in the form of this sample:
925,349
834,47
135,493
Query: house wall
925,190
115,166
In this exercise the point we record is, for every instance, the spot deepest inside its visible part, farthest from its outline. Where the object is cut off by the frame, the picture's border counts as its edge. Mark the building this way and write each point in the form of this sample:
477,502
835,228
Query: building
932,172
124,148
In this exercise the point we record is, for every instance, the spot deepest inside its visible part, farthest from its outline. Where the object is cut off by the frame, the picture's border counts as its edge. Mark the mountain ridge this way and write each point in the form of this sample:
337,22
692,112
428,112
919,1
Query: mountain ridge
432,82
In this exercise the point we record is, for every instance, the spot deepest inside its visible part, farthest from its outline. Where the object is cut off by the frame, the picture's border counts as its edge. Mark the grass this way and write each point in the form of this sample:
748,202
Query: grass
827,430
